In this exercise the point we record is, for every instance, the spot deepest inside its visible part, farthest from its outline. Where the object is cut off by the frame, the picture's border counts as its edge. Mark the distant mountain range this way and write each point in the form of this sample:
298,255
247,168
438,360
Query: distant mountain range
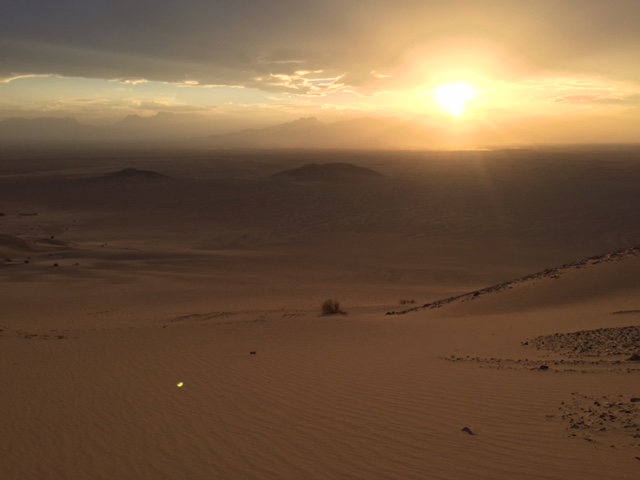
358,133
365,133
46,130
160,127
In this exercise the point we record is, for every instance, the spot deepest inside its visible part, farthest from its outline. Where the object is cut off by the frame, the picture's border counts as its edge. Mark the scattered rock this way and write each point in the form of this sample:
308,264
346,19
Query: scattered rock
594,419
253,352
467,430
599,342
543,367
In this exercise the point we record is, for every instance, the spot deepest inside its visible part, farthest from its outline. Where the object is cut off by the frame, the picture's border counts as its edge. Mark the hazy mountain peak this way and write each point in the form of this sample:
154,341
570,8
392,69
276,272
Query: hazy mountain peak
306,121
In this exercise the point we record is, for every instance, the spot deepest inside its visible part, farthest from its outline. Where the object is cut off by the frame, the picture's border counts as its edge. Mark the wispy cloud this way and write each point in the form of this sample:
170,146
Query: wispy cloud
231,43
303,83
609,99
131,81
289,57
24,77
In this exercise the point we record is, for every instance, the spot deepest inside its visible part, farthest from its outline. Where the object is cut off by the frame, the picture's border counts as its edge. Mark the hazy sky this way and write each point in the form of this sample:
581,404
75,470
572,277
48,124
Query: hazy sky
543,64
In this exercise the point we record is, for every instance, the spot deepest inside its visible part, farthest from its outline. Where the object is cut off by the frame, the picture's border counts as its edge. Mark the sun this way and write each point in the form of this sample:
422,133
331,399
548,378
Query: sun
453,97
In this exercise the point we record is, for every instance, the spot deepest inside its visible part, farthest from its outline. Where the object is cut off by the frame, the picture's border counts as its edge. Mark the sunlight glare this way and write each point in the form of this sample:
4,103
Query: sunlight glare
453,97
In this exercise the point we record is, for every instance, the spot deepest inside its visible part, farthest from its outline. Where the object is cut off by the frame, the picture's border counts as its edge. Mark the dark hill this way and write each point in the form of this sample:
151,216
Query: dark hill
134,174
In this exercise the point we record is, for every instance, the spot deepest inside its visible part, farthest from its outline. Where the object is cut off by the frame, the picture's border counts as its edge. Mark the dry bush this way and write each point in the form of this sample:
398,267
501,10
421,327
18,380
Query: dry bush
331,307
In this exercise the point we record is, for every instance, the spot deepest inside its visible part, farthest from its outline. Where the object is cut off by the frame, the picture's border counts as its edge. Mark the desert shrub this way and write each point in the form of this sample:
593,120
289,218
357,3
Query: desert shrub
331,307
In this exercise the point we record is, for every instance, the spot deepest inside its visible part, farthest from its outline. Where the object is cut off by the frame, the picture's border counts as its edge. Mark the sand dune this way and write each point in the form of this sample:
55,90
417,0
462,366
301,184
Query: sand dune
550,273
172,329
11,243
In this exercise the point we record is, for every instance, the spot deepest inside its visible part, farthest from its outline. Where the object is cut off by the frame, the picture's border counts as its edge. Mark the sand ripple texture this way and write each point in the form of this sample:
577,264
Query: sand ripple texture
318,400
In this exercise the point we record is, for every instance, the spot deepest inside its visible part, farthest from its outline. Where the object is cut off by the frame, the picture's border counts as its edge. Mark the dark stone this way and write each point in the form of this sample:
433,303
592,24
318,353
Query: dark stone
467,430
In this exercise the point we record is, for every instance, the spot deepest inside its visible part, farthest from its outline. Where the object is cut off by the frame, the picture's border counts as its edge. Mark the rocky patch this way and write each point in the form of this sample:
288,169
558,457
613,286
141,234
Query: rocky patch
609,419
620,341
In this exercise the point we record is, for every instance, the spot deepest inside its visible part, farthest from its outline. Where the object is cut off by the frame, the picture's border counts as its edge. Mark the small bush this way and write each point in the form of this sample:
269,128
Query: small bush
331,307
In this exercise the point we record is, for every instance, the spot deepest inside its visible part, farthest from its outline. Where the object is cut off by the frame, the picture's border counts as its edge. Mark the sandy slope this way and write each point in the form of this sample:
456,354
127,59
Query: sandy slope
178,282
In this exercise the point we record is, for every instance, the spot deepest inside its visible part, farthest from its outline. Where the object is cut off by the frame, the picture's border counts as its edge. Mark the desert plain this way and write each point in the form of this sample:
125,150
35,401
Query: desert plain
160,314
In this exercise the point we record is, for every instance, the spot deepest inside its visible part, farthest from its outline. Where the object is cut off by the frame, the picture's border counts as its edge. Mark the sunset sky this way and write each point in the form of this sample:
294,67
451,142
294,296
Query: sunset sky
559,70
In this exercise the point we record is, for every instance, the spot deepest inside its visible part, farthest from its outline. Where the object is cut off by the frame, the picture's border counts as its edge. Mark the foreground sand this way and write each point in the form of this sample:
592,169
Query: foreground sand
160,283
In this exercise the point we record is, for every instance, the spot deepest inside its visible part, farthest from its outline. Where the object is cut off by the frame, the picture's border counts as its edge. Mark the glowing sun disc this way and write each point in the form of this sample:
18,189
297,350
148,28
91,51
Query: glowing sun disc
453,97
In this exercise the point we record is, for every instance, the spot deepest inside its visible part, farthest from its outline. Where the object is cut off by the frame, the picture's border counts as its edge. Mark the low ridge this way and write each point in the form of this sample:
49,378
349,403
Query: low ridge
328,172
554,272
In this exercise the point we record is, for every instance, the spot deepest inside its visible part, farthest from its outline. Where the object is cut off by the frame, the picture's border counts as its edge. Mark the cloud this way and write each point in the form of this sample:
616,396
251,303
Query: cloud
22,77
612,96
579,98
132,81
301,82
215,42
581,90
593,99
